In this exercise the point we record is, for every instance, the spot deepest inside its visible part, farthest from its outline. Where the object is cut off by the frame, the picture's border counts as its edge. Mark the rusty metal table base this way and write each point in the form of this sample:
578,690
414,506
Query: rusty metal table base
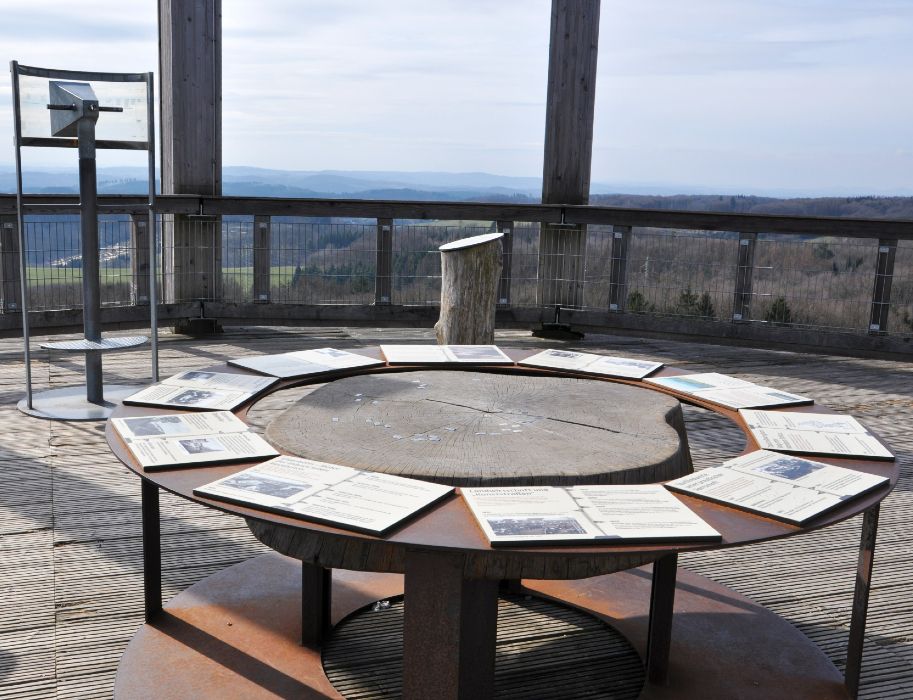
449,631
152,550
316,603
659,630
236,633
861,599
545,650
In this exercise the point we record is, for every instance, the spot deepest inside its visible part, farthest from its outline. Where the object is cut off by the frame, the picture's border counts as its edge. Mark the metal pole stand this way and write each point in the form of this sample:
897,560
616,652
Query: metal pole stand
74,111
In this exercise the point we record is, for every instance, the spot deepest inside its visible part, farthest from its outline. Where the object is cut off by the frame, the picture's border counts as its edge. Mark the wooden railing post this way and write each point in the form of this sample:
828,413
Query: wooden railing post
507,254
383,281
881,294
261,243
568,152
190,74
139,258
618,292
744,273
10,279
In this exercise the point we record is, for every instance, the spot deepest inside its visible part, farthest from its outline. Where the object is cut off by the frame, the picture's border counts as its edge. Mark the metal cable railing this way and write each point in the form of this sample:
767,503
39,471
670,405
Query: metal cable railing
823,276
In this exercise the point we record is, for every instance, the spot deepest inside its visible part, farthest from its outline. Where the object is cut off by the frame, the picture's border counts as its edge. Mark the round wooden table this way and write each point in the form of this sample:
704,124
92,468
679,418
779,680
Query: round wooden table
451,583
466,428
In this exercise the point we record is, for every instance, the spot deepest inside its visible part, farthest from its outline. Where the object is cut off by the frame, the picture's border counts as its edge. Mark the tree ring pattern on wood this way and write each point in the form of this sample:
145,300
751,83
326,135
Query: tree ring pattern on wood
483,429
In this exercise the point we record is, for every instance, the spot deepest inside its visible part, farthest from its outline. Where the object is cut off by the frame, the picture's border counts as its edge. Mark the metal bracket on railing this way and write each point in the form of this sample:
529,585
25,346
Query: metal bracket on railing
557,330
564,222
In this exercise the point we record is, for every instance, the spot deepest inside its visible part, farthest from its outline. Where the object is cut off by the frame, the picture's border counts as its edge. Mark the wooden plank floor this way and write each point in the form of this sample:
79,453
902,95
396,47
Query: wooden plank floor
70,550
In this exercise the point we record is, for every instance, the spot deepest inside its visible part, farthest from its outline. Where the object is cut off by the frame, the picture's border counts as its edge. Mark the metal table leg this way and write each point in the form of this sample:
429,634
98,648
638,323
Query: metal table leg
450,630
152,550
864,567
659,634
316,601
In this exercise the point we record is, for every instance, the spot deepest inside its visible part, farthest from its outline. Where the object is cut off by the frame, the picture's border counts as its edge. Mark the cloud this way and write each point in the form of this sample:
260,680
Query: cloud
706,37
697,89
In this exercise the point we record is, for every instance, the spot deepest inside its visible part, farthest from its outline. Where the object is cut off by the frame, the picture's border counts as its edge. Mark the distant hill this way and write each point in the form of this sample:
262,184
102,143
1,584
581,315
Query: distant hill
485,187
848,207
329,184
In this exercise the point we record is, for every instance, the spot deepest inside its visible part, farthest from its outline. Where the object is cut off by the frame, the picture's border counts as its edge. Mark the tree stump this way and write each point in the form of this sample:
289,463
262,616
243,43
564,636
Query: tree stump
480,429
470,272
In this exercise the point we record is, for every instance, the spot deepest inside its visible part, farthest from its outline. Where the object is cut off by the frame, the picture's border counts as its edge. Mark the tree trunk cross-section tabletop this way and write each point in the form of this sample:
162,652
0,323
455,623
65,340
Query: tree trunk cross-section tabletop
479,429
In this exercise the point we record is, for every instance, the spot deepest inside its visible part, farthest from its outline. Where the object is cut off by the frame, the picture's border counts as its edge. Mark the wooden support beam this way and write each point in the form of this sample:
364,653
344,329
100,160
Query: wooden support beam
383,276
569,111
881,294
618,272
190,69
571,99
262,254
744,274
10,289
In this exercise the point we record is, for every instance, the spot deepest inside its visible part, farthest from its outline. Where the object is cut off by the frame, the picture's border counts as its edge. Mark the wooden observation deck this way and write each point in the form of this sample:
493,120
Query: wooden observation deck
71,566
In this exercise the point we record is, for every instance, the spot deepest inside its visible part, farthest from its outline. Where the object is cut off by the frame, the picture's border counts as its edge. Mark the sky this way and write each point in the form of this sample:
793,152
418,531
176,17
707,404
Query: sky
730,96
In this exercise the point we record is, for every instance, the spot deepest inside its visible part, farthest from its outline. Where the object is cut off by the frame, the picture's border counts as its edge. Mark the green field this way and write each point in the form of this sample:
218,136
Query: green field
45,275
239,273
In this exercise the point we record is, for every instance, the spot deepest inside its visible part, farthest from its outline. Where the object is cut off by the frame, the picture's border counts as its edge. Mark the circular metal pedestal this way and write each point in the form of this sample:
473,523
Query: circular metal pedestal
544,650
236,634
69,403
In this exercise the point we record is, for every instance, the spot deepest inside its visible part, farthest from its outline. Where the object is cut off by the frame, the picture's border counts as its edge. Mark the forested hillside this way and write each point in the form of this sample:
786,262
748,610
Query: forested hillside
849,207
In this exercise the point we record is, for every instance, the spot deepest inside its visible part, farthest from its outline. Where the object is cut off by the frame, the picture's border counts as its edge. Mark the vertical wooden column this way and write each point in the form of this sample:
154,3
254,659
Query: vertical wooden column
190,69
507,254
618,272
139,258
383,277
9,265
744,273
570,104
881,294
261,243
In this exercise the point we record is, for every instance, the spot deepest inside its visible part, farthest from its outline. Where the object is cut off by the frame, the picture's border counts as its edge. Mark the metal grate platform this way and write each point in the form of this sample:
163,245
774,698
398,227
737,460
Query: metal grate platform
545,650
102,345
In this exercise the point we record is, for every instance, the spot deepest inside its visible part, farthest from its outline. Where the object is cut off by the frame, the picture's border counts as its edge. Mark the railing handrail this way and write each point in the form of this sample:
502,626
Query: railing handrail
899,229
